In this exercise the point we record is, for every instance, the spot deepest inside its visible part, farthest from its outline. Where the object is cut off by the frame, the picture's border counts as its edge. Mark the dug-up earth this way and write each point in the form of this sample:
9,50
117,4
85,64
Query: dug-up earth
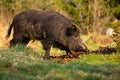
70,57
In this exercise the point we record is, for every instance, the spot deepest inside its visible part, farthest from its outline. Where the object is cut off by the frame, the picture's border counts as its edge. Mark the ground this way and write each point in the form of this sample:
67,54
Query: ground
26,63
21,63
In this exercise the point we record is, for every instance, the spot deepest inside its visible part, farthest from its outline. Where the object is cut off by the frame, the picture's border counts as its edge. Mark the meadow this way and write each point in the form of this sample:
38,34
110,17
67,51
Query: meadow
22,63
26,62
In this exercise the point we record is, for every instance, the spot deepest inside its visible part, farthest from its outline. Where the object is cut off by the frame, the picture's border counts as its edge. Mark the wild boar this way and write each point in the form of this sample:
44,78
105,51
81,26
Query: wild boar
51,28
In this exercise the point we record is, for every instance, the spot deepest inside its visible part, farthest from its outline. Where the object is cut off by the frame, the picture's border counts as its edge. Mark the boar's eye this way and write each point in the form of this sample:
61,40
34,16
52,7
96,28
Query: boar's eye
76,36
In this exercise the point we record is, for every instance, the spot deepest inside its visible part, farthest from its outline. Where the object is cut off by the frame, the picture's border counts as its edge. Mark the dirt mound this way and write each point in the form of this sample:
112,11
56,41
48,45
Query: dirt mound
105,50
74,56
64,58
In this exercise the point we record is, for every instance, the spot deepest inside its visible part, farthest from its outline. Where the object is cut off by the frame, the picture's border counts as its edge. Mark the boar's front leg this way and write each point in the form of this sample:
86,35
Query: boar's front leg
47,47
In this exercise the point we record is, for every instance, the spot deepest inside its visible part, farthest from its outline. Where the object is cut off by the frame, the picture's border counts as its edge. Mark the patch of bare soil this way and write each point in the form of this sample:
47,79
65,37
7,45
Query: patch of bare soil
68,57
74,56
64,58
105,50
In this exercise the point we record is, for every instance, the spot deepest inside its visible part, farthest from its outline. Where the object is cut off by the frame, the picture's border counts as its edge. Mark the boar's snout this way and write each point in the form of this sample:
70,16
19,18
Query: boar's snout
82,48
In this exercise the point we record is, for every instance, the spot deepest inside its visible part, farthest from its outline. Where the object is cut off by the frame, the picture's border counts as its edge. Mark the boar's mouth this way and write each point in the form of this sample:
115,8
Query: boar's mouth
76,53
80,50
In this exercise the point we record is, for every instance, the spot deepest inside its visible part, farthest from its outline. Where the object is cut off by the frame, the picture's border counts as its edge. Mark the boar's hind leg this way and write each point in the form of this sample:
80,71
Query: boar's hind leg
47,47
13,42
18,39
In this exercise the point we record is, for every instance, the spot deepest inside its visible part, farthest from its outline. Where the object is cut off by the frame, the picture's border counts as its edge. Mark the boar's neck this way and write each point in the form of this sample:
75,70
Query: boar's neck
60,46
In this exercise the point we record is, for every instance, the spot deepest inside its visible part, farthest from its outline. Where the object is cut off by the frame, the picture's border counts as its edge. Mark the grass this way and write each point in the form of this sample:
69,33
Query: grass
21,63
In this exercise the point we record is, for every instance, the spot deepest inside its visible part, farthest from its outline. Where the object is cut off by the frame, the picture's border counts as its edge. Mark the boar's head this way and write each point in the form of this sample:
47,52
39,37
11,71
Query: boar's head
73,41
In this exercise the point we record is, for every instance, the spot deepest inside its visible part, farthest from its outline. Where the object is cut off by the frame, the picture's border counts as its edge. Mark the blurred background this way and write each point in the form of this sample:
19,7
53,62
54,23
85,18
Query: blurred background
99,20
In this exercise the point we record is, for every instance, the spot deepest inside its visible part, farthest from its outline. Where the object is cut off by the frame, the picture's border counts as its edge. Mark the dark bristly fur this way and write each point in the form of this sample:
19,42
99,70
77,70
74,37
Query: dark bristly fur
51,28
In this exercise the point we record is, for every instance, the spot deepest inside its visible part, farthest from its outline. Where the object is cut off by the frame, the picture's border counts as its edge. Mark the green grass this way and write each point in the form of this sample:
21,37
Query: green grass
22,63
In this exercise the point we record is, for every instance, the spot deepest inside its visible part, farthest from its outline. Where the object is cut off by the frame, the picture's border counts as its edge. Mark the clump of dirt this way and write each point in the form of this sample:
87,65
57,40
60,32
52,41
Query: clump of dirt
105,50
75,55
65,58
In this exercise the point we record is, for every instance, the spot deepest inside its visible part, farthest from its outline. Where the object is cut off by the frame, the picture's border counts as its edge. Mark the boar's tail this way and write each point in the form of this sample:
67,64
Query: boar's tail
9,31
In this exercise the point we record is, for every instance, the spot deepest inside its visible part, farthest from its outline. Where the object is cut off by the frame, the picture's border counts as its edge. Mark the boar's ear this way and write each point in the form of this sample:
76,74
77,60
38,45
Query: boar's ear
71,31
74,28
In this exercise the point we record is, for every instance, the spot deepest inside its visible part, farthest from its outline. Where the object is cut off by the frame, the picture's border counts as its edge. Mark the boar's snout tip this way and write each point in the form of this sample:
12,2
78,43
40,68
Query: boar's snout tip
82,48
85,49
